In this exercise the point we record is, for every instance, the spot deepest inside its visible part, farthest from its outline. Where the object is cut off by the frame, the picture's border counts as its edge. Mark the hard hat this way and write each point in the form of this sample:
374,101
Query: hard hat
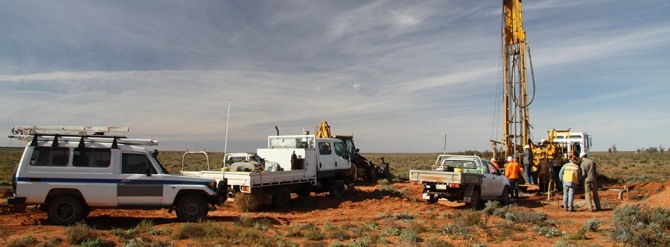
582,155
509,158
527,146
493,159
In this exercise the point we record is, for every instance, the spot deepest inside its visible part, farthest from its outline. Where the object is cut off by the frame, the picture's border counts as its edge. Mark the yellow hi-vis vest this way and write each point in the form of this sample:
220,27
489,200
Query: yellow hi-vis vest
570,173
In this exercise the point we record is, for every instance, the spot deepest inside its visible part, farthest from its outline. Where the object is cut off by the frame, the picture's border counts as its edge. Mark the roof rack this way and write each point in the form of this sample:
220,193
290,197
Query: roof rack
83,134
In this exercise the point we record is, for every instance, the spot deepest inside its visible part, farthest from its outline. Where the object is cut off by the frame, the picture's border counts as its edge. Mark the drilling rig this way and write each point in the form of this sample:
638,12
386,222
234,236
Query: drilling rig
516,64
516,58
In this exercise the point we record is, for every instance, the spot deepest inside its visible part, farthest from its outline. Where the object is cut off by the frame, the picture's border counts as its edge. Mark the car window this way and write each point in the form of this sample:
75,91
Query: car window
324,148
91,157
50,156
341,151
136,164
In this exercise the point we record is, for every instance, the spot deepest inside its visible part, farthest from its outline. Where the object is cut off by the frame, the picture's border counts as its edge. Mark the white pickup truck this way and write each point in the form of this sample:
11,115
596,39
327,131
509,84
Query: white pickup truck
461,178
70,175
290,164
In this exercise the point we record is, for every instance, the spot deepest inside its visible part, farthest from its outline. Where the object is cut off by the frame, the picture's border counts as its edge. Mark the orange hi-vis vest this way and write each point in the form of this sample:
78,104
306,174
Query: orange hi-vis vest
570,173
512,170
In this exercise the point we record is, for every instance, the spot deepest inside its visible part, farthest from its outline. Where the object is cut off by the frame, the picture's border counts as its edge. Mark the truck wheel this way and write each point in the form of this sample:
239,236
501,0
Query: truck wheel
475,199
338,190
281,197
504,198
432,199
191,208
248,202
65,210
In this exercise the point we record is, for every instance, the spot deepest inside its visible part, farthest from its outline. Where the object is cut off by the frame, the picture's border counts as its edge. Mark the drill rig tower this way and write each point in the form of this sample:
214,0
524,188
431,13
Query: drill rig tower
516,58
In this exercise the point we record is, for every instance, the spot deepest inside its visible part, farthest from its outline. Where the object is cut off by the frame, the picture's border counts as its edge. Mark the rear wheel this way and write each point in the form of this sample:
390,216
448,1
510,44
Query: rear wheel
65,210
192,208
475,199
432,199
281,198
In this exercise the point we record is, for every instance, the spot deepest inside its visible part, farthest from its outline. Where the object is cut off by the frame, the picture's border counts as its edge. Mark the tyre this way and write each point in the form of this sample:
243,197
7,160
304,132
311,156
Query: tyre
281,198
432,199
65,210
505,197
191,208
338,190
475,199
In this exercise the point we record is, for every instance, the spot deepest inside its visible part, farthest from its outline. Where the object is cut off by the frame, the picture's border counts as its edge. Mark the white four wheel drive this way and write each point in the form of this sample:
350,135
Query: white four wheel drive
70,175
462,178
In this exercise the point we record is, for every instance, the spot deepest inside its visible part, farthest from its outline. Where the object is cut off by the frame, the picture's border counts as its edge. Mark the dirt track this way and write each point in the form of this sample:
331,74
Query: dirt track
368,204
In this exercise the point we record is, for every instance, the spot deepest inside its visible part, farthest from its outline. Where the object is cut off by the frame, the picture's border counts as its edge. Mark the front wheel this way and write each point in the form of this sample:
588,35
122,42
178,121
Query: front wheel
192,208
505,197
65,210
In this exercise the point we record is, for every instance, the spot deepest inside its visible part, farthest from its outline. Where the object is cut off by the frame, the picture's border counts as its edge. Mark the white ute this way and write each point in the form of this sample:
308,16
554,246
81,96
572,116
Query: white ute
462,178
68,175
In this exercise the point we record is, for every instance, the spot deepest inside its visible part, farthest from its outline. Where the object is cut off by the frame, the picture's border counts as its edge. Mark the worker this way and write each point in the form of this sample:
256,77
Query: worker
512,173
494,161
590,174
528,165
570,175
544,172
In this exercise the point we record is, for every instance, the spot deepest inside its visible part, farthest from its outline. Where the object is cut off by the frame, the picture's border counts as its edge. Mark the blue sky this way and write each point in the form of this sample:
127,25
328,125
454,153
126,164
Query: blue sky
398,75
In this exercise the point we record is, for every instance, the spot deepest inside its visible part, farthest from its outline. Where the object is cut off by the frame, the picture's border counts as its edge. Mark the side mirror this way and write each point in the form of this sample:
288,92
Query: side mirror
148,172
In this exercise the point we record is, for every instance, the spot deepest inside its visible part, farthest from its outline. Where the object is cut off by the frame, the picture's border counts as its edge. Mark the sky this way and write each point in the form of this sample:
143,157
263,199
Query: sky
398,75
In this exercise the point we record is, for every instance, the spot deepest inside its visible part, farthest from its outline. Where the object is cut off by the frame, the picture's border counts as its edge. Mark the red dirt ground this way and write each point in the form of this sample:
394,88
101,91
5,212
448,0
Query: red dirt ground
363,206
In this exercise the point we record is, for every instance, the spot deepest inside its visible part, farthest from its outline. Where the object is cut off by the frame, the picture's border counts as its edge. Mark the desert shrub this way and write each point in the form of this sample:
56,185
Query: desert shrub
191,230
96,242
162,231
262,224
126,234
51,242
80,232
246,220
549,232
490,207
24,241
145,225
591,225
313,232
408,236
526,216
436,242
403,216
361,242
640,226
334,232
457,231
579,234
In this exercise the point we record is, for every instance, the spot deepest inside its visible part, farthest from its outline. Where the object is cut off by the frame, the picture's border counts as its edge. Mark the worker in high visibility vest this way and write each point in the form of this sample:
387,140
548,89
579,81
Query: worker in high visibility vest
512,173
570,175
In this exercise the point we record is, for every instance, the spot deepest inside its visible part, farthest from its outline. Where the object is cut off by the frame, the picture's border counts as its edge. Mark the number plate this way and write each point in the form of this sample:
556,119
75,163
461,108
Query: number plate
441,186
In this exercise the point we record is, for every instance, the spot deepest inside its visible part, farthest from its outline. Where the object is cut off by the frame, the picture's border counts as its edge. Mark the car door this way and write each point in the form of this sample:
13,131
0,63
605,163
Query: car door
492,182
140,183
326,157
